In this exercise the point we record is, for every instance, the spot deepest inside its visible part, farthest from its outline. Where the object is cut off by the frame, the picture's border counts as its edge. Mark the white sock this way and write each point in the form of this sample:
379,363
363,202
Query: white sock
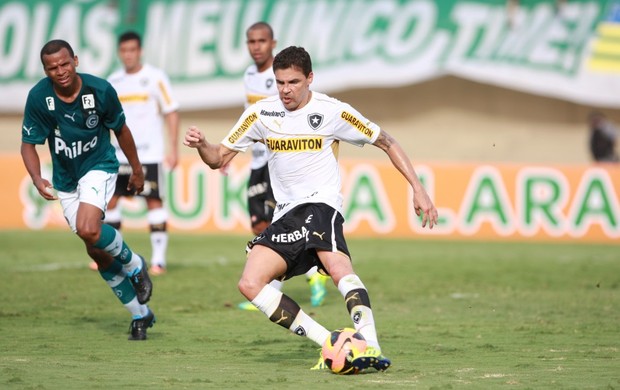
159,244
268,300
361,315
314,331
277,284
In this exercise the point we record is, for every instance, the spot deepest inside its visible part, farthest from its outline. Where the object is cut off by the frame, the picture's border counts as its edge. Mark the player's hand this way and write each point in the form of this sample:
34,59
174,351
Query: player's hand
136,181
45,189
424,207
194,138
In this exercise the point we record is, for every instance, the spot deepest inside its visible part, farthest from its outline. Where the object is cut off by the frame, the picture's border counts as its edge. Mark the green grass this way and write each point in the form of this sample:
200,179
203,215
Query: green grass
449,314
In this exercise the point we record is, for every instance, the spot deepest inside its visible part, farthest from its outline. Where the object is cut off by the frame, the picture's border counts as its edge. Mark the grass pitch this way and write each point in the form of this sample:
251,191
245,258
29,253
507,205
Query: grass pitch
449,314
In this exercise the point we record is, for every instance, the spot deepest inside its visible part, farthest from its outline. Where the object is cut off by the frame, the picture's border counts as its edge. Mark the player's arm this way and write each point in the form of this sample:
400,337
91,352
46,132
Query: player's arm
128,146
172,120
421,201
33,166
214,155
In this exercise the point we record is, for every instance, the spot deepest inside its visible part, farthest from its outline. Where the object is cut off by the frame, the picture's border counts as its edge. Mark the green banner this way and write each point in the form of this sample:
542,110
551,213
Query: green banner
568,49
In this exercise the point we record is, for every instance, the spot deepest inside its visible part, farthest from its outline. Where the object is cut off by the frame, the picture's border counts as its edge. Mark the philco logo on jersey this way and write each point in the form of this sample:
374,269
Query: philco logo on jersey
290,237
295,144
75,149
357,124
247,122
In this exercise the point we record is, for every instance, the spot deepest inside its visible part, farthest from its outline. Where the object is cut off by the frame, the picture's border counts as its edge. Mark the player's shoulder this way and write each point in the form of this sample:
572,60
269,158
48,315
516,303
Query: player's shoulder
42,86
94,82
269,103
323,98
116,76
153,71
328,102
251,70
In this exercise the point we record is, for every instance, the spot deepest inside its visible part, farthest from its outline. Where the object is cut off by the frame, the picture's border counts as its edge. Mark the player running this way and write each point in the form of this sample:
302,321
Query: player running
74,112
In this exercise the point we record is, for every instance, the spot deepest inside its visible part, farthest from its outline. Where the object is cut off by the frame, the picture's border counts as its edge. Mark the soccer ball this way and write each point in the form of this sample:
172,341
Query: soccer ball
339,349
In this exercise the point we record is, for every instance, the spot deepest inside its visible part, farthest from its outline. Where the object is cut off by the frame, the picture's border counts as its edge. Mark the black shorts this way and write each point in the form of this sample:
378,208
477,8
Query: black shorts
261,202
153,181
299,233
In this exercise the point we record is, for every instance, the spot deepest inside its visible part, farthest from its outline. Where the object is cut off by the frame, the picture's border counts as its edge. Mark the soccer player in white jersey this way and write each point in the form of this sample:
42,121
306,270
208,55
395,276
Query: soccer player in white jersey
302,130
259,82
147,99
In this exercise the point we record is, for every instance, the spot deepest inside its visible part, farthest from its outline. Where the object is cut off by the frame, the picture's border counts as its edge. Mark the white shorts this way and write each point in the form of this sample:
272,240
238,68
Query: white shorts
96,188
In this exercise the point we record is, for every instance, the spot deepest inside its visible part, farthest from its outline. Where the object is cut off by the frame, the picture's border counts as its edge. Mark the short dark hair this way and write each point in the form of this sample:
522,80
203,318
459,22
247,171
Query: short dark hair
54,46
258,25
293,56
130,36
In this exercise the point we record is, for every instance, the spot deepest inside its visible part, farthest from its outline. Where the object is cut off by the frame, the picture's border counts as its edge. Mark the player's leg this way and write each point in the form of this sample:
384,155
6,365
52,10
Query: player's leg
356,297
111,270
113,213
262,266
157,217
260,208
318,289
142,316
95,189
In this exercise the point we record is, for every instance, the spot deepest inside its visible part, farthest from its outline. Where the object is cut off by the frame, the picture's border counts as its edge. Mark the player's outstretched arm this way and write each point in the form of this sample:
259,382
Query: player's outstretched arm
172,120
33,166
128,146
215,156
422,203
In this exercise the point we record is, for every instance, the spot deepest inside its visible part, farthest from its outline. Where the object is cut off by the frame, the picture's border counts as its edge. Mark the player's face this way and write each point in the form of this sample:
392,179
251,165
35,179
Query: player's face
260,46
130,52
293,87
60,67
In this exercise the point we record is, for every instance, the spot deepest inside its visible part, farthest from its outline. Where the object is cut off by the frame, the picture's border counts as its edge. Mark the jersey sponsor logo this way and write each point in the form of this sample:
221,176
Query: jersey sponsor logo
50,103
273,113
315,120
284,238
72,116
75,149
88,101
245,125
27,129
295,144
357,124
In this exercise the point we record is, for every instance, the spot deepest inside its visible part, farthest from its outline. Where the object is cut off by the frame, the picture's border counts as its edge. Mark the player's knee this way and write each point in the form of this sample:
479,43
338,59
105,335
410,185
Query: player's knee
249,287
88,234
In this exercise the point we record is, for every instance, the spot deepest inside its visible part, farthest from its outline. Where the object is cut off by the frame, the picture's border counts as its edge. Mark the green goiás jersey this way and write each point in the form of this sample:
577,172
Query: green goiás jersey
77,133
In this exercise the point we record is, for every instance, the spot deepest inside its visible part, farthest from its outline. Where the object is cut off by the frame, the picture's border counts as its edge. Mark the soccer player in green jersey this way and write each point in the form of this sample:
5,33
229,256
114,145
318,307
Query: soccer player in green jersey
74,112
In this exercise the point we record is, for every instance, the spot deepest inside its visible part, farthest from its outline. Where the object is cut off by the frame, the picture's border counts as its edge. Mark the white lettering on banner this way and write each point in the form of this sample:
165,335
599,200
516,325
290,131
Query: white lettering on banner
201,43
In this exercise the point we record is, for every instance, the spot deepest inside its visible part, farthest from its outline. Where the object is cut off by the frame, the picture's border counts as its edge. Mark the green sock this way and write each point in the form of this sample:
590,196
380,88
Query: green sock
112,242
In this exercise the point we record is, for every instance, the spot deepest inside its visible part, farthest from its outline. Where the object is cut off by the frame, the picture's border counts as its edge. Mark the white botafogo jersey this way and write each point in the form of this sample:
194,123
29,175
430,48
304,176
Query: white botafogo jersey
146,96
258,85
302,146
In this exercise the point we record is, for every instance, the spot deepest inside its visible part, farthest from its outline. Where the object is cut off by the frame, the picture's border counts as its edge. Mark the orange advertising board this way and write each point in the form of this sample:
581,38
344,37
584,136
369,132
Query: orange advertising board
478,201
